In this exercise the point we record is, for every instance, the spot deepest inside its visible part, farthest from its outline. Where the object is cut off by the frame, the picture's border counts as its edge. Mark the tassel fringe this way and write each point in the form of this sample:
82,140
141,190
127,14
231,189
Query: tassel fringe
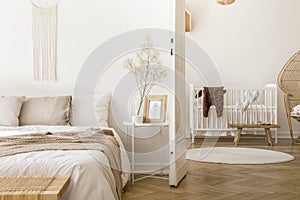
44,34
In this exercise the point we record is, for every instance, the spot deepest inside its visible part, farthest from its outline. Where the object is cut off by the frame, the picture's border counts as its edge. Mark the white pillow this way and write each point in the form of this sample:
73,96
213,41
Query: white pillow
101,106
10,110
296,110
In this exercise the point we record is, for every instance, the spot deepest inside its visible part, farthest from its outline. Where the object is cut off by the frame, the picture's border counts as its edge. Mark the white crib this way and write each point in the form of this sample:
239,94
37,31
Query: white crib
263,109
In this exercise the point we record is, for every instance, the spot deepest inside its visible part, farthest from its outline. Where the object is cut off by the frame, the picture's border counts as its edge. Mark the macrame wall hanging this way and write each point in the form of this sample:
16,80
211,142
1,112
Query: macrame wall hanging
44,35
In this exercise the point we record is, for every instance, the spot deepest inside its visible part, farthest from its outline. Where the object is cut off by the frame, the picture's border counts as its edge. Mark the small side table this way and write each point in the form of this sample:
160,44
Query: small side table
133,126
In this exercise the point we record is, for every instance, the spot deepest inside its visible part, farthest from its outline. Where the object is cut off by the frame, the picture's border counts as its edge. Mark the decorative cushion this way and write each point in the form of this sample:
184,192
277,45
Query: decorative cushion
101,106
296,110
9,110
51,111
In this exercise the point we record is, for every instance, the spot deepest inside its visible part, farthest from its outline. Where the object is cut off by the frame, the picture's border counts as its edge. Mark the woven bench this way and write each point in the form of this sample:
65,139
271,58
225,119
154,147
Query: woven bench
240,127
33,187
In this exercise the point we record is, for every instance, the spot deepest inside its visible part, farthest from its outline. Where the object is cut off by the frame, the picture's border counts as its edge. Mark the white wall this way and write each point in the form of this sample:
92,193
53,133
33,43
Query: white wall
249,41
82,26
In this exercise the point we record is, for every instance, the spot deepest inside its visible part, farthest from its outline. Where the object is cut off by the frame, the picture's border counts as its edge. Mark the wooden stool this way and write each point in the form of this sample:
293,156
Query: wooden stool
33,187
240,127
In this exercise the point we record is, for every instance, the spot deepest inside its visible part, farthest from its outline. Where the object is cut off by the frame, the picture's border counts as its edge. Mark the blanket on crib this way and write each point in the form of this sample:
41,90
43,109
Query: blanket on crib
91,139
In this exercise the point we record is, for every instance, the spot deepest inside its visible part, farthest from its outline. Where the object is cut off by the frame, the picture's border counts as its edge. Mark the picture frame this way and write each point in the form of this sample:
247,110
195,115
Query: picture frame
155,108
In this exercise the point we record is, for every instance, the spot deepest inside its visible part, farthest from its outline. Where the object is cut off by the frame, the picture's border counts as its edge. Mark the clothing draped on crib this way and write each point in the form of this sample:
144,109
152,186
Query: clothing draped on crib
213,96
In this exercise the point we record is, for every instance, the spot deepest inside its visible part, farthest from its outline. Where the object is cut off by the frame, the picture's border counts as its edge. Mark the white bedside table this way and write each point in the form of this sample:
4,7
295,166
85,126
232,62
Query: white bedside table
133,126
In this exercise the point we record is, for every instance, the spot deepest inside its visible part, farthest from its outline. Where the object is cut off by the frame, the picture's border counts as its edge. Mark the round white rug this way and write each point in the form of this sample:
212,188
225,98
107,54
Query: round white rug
237,156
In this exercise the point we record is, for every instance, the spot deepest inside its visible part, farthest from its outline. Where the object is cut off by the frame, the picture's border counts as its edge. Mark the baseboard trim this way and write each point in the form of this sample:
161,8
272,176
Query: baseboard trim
287,134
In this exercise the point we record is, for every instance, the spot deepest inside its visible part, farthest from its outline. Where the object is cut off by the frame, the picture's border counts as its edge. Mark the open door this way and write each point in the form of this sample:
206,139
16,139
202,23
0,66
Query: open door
178,126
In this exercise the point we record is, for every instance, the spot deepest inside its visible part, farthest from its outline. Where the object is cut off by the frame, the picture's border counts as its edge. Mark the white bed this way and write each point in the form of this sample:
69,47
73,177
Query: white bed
90,179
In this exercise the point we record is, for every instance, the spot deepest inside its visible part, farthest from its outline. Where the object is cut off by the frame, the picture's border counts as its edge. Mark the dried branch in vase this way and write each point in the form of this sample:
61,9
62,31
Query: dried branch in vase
148,71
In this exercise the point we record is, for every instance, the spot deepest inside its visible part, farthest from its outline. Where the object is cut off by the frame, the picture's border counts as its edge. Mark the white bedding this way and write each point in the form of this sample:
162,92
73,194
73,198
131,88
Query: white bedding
90,179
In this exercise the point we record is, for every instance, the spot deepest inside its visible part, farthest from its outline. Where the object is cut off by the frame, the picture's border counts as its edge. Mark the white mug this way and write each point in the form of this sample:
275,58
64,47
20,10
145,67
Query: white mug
137,119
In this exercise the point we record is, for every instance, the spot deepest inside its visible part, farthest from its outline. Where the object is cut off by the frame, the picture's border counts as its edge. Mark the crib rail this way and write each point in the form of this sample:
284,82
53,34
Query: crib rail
262,109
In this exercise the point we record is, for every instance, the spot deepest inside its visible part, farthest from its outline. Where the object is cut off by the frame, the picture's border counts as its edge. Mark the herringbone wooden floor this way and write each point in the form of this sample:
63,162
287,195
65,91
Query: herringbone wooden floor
228,182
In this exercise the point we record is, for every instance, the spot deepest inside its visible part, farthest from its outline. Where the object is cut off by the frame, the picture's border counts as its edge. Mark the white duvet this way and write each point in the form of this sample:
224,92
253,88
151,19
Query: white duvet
91,179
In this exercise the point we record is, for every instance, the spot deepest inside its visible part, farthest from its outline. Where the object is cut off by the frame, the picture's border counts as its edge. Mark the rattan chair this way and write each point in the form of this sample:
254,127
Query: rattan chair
289,82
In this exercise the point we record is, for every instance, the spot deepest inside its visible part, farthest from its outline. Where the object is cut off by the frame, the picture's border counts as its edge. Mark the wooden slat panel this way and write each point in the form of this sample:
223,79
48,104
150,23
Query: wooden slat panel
33,188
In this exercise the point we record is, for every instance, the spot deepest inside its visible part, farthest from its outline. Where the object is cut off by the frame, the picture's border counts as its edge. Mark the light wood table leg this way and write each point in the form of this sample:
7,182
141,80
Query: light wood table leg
237,137
269,136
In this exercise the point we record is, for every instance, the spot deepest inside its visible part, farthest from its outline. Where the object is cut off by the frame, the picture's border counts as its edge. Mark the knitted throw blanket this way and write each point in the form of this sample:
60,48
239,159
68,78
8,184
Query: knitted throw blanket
91,139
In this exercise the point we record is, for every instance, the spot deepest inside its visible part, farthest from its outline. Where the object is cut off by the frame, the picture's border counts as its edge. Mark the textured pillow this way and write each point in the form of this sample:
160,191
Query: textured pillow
9,110
50,111
101,105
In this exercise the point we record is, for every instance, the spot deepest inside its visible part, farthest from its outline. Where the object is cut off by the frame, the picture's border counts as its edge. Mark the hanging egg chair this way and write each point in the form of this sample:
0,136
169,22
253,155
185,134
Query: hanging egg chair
289,83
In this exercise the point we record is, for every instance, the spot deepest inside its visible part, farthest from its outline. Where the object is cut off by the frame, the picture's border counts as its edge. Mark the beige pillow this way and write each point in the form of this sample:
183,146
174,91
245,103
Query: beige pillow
9,110
101,105
51,111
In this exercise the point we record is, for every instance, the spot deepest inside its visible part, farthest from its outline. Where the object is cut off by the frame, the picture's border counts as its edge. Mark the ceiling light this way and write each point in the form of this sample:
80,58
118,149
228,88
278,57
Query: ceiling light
225,2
